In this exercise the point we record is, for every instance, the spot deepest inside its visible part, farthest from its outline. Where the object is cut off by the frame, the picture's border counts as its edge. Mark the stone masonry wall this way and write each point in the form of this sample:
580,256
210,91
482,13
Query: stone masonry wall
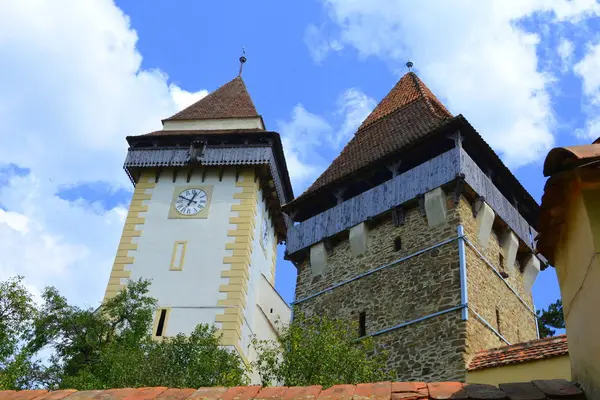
428,350
490,297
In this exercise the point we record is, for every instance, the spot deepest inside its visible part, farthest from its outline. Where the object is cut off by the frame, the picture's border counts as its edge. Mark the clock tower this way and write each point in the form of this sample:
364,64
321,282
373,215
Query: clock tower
205,220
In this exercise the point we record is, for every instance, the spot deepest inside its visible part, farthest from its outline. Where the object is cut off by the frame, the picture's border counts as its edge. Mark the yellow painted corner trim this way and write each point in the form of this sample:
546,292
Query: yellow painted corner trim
132,228
236,271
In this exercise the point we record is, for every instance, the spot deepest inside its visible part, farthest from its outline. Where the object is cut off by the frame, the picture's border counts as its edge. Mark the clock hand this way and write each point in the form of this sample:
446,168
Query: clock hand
185,198
192,199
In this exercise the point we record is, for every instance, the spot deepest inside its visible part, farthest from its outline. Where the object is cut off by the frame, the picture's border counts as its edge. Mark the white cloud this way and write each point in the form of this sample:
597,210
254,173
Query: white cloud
472,54
565,51
587,69
356,107
71,90
309,139
184,98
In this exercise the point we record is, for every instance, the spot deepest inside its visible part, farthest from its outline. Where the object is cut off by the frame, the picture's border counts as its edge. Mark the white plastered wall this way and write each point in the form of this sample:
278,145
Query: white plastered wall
193,292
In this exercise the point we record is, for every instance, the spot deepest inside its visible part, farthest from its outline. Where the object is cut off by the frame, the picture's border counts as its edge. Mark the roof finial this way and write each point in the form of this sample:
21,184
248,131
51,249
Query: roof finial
242,60
409,64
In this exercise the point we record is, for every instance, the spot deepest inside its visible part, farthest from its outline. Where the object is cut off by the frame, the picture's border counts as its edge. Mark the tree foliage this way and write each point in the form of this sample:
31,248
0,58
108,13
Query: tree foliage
17,312
551,319
319,351
112,347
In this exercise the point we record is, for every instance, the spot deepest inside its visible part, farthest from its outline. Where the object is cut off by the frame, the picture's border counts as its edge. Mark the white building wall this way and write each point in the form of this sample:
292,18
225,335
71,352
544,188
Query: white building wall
191,293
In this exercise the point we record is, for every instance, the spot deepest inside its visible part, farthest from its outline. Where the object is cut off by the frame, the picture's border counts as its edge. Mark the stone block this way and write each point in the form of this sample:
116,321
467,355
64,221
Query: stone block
318,258
510,245
484,222
435,206
359,235
530,272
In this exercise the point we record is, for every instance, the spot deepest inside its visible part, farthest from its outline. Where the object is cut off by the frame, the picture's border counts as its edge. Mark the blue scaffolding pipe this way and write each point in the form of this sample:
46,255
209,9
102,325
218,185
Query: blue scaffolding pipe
499,276
462,262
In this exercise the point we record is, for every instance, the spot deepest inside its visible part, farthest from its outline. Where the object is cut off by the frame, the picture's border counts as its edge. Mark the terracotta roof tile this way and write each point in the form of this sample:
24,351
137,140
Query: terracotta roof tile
399,122
338,392
446,390
536,390
408,90
521,352
373,391
176,394
302,392
231,100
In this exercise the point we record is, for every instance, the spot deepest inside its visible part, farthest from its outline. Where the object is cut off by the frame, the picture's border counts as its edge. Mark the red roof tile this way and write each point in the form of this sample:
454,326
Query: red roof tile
408,113
231,100
521,352
408,90
536,390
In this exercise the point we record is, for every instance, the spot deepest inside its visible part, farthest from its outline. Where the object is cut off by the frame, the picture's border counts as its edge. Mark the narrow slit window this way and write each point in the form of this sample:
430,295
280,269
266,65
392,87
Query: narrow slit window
398,243
362,324
161,323
498,321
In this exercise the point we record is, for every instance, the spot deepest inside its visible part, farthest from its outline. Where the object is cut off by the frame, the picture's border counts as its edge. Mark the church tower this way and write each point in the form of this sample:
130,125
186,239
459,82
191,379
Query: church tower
205,219
421,235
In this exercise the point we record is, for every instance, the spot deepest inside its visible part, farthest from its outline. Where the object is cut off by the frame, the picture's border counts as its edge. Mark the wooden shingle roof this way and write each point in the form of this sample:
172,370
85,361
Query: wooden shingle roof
231,100
406,114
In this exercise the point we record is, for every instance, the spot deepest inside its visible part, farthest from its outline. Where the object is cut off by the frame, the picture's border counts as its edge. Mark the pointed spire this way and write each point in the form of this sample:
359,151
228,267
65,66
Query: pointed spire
408,112
408,90
231,100
243,59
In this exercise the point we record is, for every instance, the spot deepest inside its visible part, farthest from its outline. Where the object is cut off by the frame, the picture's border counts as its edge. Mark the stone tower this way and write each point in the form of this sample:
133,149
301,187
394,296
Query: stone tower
419,233
205,219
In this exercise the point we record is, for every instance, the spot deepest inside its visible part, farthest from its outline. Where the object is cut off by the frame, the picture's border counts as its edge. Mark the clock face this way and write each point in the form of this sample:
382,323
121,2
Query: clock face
191,201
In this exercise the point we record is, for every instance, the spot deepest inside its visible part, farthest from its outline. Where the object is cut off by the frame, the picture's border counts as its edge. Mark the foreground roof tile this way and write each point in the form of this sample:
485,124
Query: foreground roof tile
536,390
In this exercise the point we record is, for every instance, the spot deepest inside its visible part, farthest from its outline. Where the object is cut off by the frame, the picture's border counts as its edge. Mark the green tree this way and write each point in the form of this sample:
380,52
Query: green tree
319,351
111,347
551,319
17,312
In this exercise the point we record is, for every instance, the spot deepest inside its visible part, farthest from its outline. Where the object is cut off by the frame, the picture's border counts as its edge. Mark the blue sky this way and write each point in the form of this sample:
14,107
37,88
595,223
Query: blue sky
79,78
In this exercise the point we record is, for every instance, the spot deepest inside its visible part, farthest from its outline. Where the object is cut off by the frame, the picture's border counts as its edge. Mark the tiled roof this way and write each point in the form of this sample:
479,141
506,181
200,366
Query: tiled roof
536,390
408,90
521,352
559,165
229,101
408,113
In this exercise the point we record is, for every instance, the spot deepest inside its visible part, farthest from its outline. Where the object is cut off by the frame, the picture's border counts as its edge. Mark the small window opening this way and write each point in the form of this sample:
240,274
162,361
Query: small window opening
161,322
362,320
271,311
498,321
501,261
398,244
